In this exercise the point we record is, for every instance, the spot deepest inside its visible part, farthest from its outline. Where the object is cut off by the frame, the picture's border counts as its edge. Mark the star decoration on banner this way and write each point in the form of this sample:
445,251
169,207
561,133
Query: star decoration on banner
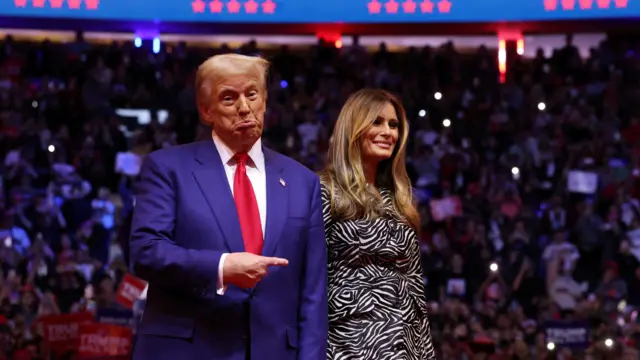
56,4
269,7
585,4
409,6
216,6
550,5
233,6
444,6
427,6
391,6
197,6
604,4
20,3
74,4
621,4
92,4
251,7
568,4
374,7
38,3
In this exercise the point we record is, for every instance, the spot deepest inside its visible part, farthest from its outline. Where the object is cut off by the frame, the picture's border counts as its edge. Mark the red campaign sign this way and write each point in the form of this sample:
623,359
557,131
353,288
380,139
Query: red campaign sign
104,341
61,332
130,290
445,208
233,6
570,5
408,6
57,4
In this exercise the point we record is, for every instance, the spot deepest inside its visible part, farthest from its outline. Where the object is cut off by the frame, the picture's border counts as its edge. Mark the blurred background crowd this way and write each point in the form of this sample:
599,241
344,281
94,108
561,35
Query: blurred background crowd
528,188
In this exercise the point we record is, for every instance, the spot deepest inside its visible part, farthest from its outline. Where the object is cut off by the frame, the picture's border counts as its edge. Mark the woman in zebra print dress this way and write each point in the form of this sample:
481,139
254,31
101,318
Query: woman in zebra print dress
377,306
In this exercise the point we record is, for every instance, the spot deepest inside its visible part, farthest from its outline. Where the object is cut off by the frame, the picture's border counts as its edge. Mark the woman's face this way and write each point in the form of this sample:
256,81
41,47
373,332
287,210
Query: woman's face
379,140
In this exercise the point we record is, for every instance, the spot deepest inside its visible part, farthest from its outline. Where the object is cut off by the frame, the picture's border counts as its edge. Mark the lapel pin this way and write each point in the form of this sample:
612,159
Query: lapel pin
282,182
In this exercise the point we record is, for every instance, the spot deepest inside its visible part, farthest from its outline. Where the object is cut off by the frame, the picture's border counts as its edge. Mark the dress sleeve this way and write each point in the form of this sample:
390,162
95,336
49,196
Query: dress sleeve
417,283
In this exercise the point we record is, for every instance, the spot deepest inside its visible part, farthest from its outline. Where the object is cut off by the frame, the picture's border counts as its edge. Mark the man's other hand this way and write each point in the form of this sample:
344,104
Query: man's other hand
245,270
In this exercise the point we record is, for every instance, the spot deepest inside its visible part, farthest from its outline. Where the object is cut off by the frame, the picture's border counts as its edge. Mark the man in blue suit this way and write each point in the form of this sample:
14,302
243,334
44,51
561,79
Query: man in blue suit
229,235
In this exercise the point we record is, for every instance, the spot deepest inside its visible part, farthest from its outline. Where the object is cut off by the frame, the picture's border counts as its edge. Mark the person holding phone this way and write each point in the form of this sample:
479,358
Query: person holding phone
377,303
229,235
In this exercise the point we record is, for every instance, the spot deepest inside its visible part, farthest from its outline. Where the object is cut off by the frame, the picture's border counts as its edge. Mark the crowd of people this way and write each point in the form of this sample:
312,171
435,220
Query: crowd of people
527,189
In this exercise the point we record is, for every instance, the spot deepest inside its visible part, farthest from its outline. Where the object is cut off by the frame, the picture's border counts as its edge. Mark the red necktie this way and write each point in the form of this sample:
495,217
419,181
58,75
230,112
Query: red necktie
247,207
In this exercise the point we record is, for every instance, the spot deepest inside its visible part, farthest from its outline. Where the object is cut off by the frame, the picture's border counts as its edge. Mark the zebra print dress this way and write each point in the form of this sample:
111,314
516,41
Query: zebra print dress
377,305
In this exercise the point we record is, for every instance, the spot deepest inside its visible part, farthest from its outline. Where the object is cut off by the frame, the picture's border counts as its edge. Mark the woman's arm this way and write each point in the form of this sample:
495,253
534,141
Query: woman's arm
416,278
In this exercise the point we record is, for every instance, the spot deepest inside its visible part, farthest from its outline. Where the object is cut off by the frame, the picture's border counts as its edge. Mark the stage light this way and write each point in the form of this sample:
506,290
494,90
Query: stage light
156,45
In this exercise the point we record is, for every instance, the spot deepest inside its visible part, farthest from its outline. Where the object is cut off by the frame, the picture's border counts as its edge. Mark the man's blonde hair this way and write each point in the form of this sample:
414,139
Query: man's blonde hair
219,66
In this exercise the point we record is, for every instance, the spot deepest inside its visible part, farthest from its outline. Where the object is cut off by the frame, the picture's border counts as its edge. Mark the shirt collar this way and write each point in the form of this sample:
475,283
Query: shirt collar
255,154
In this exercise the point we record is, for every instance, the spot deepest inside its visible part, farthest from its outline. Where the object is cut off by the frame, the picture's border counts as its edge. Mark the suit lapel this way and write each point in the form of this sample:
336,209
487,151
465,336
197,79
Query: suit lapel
213,183
277,200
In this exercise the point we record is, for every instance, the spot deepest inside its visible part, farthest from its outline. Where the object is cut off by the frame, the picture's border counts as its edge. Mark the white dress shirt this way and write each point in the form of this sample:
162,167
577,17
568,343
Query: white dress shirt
257,175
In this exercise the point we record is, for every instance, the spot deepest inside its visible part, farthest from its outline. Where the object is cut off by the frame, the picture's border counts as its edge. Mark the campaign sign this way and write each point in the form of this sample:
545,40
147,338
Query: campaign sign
442,209
568,334
104,341
130,290
61,332
122,317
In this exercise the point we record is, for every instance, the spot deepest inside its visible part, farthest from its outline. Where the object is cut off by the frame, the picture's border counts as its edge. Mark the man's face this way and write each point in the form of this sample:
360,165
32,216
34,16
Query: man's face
237,109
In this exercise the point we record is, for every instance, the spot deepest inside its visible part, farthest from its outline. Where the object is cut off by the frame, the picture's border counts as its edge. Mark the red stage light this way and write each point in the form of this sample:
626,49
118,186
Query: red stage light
56,4
568,4
603,4
74,4
20,3
38,3
621,4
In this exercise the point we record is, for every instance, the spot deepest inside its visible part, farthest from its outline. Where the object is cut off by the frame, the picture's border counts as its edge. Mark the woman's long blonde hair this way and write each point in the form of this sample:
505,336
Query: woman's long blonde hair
343,175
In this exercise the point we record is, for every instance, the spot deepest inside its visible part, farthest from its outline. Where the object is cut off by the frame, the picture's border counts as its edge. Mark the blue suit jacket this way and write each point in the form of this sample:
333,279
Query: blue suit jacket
184,220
